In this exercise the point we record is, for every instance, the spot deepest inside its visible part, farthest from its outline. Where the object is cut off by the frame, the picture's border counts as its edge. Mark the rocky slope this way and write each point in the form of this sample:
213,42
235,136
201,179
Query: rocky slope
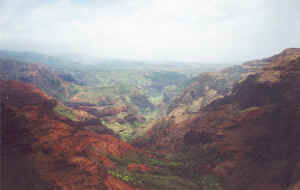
41,149
249,139
208,87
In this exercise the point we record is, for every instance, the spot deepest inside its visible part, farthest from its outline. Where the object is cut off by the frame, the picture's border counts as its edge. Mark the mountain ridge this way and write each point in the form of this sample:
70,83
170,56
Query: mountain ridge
244,134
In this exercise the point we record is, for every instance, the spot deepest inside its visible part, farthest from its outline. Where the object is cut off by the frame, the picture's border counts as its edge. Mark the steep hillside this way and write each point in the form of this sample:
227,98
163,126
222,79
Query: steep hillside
42,149
208,87
248,139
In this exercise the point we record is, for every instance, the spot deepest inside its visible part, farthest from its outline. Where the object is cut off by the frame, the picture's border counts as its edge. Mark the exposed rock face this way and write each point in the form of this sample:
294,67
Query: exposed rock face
211,86
41,151
250,137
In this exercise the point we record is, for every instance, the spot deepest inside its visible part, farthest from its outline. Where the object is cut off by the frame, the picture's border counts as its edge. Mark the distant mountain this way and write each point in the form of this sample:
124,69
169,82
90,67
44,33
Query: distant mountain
30,57
38,74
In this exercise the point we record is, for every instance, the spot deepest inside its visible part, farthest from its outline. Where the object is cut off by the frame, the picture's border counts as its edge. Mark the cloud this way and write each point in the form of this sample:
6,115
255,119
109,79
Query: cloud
182,30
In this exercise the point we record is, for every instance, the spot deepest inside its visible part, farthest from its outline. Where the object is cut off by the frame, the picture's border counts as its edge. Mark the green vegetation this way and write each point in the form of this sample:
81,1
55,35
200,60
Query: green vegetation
149,161
169,174
156,180
162,163
253,108
127,131
163,182
66,112
124,177
156,100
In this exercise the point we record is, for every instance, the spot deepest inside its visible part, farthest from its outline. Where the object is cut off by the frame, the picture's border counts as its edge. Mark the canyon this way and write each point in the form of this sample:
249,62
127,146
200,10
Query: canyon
68,126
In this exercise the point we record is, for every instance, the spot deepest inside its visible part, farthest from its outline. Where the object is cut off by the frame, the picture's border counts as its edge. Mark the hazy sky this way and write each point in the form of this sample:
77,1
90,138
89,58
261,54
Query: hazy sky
182,30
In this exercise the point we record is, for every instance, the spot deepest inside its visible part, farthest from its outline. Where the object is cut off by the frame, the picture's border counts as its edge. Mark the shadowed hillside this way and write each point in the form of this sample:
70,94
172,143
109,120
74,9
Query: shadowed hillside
249,138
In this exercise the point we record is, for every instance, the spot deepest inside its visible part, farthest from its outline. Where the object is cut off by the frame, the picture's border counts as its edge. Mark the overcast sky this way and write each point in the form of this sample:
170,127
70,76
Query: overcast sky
181,30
